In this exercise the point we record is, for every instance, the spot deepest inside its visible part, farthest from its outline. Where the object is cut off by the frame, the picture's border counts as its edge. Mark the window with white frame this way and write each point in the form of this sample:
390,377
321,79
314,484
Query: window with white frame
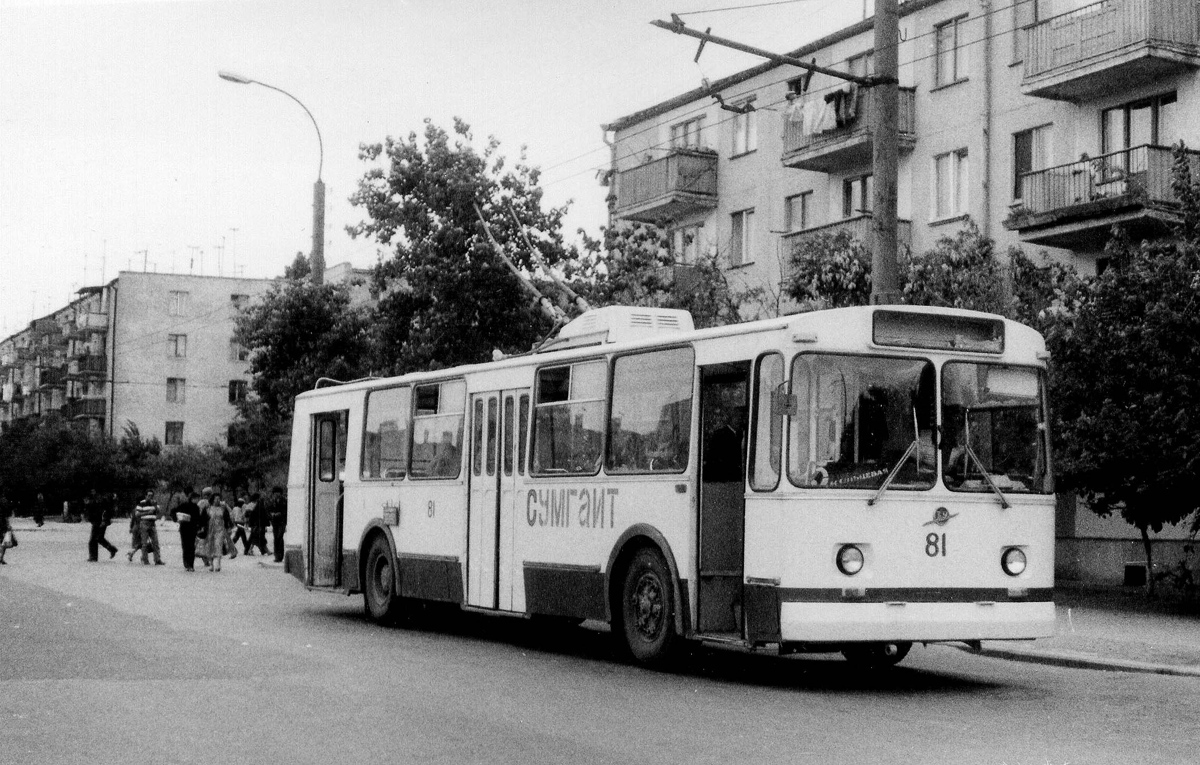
1031,151
174,434
950,184
237,390
685,244
796,210
858,195
950,61
177,302
745,129
177,346
741,239
862,64
686,134
237,351
175,390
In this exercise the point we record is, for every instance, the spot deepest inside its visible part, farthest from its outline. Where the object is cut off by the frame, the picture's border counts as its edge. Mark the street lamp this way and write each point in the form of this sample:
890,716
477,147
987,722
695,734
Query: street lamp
318,237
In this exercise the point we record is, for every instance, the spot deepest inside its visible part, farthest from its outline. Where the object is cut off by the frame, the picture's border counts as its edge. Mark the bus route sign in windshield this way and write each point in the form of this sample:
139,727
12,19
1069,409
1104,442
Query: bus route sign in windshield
904,329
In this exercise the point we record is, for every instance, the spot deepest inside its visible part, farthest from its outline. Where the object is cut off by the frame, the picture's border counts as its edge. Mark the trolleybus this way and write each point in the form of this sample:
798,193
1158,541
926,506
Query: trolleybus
850,480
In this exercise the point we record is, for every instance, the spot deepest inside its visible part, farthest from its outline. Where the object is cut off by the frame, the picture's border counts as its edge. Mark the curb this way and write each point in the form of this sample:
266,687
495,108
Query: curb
1074,660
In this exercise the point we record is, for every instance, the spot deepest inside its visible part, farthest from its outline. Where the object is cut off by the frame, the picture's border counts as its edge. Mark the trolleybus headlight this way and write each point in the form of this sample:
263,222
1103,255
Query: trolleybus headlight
1013,561
849,560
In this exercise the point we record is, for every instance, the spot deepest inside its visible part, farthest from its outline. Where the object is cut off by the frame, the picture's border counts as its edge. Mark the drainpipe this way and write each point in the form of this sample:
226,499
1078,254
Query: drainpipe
986,8
111,346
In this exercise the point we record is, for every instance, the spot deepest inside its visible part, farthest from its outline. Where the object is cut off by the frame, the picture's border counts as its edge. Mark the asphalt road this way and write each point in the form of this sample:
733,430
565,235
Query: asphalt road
114,662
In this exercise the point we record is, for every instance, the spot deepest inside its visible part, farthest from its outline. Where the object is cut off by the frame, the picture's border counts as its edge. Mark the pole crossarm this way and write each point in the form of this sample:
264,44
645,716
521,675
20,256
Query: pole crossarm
677,26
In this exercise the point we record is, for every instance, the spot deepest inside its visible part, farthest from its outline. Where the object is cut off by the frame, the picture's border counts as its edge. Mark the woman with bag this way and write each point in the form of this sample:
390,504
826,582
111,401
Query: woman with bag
214,532
7,537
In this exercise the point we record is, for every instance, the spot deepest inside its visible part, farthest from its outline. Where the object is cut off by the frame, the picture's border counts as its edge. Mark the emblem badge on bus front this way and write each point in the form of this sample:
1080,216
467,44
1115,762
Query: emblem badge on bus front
941,517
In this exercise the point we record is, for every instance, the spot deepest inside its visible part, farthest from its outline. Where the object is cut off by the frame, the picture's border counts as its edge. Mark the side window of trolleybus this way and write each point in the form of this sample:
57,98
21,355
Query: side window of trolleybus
568,419
992,422
385,435
438,429
858,418
651,421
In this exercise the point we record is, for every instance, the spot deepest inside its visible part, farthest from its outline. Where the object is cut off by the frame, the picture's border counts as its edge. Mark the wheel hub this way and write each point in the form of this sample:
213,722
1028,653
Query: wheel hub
647,602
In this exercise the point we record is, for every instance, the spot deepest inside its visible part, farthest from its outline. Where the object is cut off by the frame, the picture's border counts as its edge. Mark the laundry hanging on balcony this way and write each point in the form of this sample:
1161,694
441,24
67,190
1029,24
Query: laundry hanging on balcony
843,106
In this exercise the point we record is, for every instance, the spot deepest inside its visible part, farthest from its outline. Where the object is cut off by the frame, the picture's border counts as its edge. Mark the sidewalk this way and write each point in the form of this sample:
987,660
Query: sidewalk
1114,628
1107,628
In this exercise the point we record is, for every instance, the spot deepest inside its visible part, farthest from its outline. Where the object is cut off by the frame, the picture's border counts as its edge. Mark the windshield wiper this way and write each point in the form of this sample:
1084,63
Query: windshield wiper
983,471
916,444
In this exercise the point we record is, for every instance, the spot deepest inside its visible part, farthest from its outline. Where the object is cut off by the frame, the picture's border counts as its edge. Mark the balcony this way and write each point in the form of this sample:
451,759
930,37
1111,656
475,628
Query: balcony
52,377
847,145
87,366
87,323
83,408
1109,47
679,276
680,184
1076,205
859,227
43,327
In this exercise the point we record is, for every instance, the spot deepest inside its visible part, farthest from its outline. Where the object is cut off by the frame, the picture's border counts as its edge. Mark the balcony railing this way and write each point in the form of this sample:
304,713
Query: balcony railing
52,377
87,366
859,227
1110,45
845,144
83,407
682,183
1076,204
87,323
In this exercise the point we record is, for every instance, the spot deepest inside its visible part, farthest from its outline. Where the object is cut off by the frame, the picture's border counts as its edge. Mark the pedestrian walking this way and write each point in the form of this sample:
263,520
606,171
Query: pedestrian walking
187,515
8,539
146,514
96,510
277,515
39,510
214,526
256,519
238,514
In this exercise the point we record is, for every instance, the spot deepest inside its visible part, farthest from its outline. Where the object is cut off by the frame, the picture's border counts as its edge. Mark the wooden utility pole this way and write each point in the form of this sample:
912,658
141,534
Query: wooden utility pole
885,266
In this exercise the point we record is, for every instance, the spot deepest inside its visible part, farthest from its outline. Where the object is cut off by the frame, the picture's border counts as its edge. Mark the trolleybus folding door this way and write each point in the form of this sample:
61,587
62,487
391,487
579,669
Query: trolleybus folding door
494,442
325,488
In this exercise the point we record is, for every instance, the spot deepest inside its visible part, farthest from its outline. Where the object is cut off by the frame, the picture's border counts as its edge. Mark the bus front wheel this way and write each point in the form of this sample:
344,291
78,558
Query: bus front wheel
876,655
648,608
379,585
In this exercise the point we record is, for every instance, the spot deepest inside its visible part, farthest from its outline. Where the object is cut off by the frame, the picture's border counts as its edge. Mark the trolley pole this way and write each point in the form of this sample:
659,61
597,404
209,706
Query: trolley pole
885,265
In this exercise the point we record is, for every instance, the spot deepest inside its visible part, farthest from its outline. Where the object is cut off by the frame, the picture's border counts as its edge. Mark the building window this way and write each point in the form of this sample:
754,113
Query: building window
1031,151
175,390
237,351
685,244
686,135
745,129
741,240
177,346
238,300
174,434
177,303
858,195
1148,121
950,184
237,391
862,64
951,58
795,211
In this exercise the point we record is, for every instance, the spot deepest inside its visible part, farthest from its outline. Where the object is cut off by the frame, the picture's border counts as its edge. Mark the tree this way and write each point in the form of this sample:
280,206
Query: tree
830,270
1125,384
959,272
446,297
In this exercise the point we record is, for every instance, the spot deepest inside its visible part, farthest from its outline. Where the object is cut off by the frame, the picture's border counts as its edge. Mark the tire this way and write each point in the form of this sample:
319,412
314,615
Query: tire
647,609
876,655
379,583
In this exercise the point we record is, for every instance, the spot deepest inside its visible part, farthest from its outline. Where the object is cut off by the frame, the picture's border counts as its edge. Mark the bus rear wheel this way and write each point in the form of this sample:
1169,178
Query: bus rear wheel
876,655
647,609
379,583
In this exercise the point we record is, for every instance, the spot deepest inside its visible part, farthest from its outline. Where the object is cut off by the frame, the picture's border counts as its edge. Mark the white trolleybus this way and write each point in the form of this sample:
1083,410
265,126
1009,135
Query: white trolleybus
850,480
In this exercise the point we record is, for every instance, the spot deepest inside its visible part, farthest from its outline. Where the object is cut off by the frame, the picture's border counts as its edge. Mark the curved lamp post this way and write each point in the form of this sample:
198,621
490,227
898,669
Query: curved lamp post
318,236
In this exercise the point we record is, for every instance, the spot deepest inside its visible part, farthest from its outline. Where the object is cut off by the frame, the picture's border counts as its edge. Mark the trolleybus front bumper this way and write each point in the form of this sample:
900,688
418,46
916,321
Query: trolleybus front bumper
819,622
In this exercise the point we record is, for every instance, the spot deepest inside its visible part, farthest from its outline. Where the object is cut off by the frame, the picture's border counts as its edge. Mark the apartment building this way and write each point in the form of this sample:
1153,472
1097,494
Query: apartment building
1045,122
149,349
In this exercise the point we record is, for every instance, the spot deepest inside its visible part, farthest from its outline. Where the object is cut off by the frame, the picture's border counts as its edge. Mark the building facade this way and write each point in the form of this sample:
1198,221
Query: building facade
150,350
1044,122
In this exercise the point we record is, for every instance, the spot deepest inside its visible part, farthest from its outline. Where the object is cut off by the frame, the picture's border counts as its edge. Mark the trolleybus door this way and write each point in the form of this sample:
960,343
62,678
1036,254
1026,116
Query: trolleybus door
492,499
325,488
724,404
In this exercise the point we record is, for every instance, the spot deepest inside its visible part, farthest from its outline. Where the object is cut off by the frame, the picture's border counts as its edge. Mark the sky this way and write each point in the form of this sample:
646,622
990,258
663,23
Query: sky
121,149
